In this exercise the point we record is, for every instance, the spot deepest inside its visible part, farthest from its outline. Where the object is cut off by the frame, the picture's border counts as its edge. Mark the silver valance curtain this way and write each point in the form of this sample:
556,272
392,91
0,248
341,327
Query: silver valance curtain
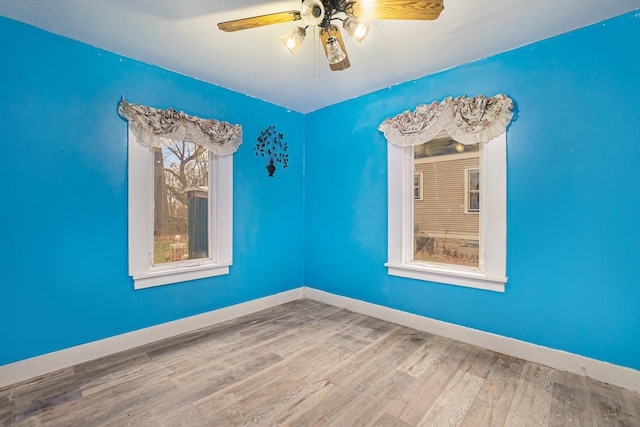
157,128
466,120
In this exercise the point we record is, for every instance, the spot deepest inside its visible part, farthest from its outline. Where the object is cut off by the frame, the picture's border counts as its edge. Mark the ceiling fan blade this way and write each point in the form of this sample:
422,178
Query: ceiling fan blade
398,9
259,21
334,32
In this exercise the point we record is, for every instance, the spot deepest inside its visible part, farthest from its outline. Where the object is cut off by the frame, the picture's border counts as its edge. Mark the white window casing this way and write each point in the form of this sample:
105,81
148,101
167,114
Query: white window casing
491,272
140,197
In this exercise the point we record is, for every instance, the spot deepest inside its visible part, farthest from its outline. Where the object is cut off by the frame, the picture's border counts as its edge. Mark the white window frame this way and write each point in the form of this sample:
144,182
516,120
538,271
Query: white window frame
419,186
141,267
491,272
467,201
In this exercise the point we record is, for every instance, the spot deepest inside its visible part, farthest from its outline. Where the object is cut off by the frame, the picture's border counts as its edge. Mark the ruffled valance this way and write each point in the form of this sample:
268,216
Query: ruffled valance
160,128
466,120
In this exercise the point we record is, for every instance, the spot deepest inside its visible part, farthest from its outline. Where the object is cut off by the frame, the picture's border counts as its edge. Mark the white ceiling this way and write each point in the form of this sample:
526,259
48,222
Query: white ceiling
182,36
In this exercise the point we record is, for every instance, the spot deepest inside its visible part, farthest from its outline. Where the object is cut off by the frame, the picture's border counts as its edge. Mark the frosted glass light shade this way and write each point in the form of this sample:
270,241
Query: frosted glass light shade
357,28
294,39
334,52
312,12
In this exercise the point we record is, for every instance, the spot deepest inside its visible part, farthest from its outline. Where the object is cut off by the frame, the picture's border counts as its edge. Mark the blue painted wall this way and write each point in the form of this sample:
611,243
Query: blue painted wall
64,211
573,195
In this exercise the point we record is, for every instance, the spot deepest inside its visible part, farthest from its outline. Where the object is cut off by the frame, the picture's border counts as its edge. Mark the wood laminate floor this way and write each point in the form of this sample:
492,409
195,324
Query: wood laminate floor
305,363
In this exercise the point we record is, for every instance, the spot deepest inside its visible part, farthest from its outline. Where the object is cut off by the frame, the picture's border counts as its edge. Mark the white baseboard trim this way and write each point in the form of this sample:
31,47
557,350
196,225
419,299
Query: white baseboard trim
40,365
598,370
558,359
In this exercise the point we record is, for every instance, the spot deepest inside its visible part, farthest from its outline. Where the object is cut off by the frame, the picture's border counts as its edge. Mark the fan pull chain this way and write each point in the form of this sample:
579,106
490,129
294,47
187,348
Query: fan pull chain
316,62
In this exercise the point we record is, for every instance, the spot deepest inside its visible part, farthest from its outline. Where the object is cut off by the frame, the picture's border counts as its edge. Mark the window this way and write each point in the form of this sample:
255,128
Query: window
181,232
443,230
180,203
417,186
406,245
180,197
456,232
472,191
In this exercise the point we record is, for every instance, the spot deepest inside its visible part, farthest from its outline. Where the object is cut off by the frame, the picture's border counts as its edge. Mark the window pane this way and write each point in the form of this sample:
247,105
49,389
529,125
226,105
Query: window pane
474,202
444,232
473,191
474,180
181,203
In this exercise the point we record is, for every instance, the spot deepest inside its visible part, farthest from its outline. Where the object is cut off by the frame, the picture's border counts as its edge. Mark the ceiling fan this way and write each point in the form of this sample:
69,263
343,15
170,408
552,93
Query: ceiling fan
352,14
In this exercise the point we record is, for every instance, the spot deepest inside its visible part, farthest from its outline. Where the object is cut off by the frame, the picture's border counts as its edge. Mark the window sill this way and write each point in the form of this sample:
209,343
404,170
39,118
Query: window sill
449,276
178,274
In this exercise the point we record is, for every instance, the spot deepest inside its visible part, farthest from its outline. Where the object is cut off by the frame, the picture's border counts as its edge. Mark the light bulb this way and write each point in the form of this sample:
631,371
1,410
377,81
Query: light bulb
294,39
312,12
357,28
334,52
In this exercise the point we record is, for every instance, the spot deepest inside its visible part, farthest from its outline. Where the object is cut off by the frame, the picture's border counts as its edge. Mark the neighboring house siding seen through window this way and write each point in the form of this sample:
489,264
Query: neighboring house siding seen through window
444,231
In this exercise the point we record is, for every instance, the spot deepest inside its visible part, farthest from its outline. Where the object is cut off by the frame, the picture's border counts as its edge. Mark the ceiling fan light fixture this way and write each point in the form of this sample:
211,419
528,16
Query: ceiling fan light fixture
334,51
294,39
357,28
323,17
